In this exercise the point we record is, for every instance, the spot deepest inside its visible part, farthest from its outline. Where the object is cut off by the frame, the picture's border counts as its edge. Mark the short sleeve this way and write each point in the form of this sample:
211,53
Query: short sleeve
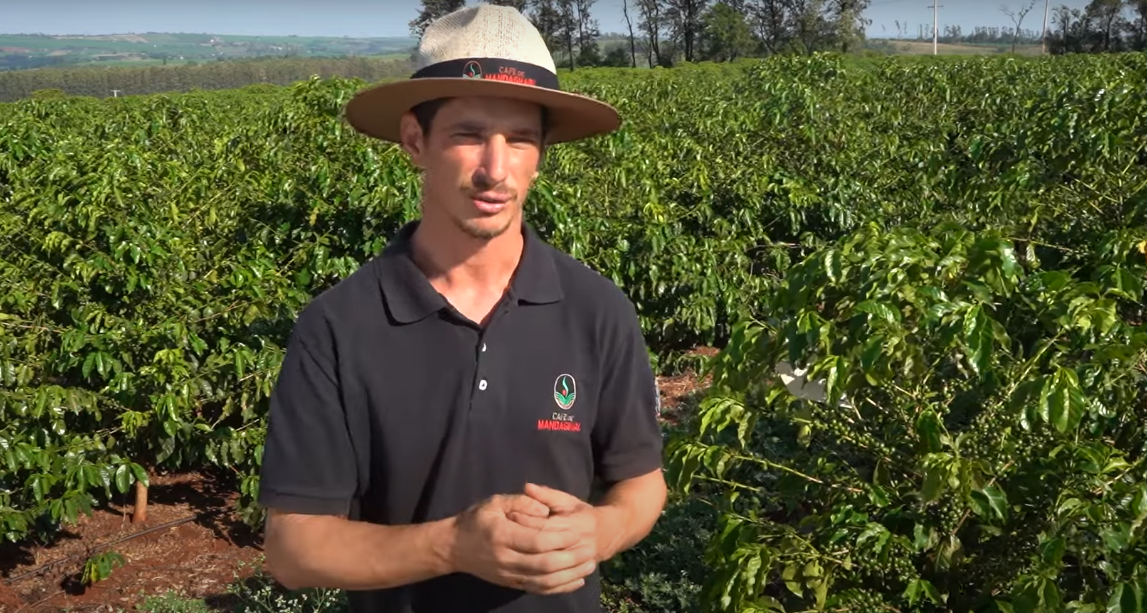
627,436
308,460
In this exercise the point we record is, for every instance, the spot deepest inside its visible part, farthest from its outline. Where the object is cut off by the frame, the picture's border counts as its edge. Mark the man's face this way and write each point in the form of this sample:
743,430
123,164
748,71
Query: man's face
480,159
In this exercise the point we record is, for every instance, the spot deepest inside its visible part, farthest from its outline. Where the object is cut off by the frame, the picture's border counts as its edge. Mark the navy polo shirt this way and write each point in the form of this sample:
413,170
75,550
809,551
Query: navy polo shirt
392,407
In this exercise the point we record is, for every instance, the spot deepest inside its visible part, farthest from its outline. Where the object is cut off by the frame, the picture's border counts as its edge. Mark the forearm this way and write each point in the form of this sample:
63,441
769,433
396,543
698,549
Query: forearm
627,513
332,552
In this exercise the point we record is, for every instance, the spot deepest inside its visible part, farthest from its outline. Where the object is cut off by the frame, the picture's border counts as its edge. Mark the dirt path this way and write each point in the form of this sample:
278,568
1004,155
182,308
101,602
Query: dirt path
195,545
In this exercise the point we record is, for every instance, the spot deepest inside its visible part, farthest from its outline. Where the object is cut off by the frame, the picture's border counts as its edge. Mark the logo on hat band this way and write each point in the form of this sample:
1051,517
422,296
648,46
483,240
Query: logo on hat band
492,69
473,70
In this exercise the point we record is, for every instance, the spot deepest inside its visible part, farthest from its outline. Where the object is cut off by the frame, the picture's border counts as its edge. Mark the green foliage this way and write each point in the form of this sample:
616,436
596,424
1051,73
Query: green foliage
980,444
979,335
99,567
159,248
665,572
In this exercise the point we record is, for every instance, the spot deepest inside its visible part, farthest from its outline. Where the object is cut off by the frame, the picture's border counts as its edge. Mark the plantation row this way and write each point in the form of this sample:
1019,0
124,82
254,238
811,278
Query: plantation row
956,249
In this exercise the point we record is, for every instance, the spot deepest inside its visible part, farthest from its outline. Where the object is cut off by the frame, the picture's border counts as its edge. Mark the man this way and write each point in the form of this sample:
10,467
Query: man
442,414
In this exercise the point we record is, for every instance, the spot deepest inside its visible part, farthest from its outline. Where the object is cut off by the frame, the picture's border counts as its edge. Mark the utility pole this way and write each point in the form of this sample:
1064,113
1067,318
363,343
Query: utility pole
1043,37
115,93
935,27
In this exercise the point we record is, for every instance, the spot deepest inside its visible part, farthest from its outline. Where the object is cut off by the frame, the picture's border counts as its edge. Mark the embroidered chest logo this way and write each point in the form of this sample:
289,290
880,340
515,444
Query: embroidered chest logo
565,391
565,394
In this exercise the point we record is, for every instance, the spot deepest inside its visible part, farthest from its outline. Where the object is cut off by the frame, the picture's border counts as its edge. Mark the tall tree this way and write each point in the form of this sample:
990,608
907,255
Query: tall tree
1017,18
650,24
568,29
726,33
684,17
589,52
850,23
772,22
814,30
431,10
632,40
1108,17
807,26
1138,25
546,16
1067,35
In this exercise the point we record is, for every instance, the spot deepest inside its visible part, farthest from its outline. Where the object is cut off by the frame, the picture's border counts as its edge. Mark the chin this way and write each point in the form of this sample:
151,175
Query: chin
487,228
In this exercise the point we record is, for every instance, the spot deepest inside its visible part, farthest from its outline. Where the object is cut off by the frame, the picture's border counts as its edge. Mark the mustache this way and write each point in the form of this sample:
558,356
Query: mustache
475,189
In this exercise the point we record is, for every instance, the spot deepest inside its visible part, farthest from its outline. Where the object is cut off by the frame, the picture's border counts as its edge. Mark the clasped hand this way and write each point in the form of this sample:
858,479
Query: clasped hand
542,541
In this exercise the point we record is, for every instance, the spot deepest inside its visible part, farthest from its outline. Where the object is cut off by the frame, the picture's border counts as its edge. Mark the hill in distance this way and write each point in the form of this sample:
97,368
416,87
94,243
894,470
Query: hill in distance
24,51
21,51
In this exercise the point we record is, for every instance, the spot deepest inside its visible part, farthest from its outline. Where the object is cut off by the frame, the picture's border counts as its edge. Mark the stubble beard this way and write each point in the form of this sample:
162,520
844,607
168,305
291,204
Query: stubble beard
478,228
475,227
482,232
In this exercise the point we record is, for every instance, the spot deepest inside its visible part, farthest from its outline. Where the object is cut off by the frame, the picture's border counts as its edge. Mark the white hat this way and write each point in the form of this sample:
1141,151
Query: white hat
482,50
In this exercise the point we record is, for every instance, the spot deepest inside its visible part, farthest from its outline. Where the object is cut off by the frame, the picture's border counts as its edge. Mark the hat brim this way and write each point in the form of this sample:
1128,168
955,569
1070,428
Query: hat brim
377,111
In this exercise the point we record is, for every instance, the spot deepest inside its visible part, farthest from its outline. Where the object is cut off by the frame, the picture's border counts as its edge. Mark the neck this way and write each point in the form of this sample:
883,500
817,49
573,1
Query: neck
453,259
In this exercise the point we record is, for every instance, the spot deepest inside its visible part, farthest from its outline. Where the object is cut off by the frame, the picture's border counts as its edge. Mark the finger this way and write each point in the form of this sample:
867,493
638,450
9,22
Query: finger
561,589
526,540
529,541
564,589
526,506
558,523
539,565
558,582
557,501
580,519
529,521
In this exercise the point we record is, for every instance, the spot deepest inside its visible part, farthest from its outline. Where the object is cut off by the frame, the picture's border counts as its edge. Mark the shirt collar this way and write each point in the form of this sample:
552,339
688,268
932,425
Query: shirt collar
410,297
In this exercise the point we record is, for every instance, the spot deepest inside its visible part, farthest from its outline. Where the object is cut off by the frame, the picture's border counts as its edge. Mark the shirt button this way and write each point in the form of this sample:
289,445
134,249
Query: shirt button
482,385
483,347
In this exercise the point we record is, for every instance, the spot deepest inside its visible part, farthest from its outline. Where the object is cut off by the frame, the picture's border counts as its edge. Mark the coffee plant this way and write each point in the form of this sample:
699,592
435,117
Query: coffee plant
980,444
951,245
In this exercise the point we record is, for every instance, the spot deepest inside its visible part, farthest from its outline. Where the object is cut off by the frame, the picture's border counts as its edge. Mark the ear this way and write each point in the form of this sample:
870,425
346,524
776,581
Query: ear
411,136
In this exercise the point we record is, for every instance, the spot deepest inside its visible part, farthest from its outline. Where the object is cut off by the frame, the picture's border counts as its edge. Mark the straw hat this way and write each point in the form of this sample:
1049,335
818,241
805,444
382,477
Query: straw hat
482,50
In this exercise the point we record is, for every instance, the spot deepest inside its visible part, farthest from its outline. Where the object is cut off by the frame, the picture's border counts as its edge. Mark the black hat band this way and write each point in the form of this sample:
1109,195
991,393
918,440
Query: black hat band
491,69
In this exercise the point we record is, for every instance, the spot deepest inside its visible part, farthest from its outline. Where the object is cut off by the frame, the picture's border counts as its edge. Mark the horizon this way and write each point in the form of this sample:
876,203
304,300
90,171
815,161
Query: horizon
346,18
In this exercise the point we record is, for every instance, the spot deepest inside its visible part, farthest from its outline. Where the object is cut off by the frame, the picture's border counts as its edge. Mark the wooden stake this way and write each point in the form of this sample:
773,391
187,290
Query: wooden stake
139,514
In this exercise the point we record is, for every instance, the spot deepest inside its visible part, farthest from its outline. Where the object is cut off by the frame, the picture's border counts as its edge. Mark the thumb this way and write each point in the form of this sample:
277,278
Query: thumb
557,501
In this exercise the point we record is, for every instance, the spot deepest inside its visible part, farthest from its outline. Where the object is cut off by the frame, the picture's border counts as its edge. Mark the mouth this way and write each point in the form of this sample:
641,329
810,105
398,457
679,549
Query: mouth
489,203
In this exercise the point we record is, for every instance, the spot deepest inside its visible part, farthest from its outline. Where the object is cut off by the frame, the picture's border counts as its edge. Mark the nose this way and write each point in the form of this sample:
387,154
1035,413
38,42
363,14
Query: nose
493,167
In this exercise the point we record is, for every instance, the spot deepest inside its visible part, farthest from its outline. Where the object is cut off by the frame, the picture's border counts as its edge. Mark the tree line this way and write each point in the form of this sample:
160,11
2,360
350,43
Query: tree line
1100,26
1103,26
662,32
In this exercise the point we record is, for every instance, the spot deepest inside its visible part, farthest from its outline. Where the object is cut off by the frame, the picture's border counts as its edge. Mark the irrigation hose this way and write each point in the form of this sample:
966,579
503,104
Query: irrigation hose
171,524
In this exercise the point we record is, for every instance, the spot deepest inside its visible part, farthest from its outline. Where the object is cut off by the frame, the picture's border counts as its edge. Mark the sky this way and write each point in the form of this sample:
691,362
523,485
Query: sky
390,17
